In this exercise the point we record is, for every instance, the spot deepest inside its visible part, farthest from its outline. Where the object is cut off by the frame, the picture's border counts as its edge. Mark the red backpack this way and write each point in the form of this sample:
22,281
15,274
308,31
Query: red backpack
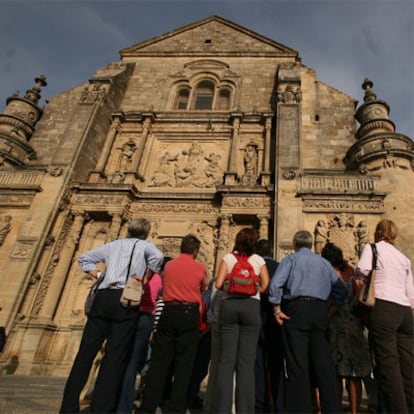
242,279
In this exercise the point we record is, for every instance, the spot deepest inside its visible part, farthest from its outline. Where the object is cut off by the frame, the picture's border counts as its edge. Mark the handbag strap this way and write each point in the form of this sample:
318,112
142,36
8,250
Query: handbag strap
374,266
130,260
374,256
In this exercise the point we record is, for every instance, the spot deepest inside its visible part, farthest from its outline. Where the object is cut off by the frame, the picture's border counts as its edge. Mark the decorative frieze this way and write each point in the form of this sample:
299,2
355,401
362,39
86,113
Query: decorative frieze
187,208
375,205
98,201
246,202
16,200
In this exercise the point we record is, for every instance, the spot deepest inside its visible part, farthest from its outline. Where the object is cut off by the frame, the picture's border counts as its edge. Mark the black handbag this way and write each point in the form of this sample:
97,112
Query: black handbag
92,293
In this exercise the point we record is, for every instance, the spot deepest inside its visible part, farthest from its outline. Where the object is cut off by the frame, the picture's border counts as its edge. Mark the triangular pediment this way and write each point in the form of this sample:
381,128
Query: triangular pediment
213,36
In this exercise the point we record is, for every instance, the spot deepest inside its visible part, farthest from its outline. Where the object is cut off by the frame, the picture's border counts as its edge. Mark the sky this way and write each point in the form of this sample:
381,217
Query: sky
344,41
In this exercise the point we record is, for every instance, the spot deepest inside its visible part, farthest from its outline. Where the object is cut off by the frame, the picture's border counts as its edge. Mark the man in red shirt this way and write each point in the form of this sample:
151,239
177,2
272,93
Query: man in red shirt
175,341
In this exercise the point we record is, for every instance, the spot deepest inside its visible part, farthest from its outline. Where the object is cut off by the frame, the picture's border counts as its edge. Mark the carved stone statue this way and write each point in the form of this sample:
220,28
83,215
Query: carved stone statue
362,236
126,155
213,172
321,236
250,164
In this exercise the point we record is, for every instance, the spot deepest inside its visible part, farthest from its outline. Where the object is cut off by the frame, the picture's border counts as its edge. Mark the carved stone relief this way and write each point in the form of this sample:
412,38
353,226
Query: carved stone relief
92,94
23,249
171,246
190,167
341,230
289,94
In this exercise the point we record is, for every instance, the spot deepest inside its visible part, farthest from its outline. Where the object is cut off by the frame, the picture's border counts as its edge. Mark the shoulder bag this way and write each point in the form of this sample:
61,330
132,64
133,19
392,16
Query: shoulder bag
133,290
366,295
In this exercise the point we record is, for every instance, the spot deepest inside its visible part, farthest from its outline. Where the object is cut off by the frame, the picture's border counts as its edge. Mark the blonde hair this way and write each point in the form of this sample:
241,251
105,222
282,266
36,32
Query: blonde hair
386,230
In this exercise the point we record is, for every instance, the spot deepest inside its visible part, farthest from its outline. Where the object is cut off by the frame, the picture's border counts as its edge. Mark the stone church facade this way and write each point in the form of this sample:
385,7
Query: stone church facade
204,130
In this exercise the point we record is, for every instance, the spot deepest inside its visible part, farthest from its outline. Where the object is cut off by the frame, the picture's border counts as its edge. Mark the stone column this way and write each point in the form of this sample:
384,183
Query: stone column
223,244
266,155
113,132
265,174
146,127
54,290
116,223
231,174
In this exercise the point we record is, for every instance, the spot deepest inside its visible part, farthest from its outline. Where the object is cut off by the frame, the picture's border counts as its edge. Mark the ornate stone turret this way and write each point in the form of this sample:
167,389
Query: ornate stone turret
17,124
378,145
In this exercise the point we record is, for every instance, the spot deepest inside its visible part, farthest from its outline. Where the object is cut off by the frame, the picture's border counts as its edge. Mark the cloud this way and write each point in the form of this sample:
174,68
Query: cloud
343,40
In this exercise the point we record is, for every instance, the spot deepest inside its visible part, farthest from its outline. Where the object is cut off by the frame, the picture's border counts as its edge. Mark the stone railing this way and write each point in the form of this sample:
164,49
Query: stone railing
337,184
20,178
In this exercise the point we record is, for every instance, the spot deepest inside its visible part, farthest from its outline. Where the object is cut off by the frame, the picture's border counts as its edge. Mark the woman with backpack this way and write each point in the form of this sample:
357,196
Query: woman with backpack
243,276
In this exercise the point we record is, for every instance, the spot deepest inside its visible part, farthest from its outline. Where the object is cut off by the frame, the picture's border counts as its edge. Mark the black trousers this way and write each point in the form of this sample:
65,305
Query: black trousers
391,330
308,357
175,342
109,321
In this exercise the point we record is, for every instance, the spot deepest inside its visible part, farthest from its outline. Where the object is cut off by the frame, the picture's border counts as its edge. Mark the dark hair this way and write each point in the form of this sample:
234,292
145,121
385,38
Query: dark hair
165,261
303,239
334,255
246,240
264,248
189,244
386,230
139,228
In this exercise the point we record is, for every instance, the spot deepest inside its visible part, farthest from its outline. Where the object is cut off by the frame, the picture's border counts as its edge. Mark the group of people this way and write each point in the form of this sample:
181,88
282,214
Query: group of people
288,348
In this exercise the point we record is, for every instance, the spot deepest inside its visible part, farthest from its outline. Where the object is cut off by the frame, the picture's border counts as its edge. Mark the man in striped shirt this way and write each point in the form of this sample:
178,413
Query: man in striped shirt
107,319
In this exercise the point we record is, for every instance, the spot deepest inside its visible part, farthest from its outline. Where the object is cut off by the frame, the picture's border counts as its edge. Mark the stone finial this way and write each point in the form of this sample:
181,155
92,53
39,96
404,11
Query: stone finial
369,93
34,93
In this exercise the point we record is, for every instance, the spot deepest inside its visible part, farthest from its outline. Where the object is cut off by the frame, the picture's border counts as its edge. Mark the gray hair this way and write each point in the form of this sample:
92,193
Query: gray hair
302,239
139,228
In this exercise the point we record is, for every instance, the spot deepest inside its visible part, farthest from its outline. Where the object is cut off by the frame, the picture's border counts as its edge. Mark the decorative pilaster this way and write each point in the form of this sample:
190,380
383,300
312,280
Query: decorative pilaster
224,233
265,174
146,128
54,291
231,175
116,223
117,120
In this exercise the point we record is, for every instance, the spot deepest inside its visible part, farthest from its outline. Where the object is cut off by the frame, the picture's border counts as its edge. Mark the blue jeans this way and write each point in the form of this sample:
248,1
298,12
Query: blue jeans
136,362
